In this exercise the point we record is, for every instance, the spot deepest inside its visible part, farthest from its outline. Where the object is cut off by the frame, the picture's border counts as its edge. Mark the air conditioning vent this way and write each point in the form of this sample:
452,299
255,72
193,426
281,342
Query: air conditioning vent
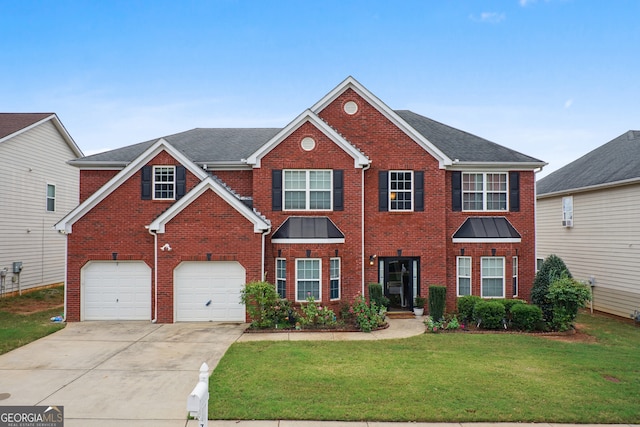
567,223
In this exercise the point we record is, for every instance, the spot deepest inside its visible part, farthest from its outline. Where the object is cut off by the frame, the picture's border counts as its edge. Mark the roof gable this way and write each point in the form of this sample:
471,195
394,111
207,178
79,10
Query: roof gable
359,159
353,84
66,223
13,124
616,162
260,224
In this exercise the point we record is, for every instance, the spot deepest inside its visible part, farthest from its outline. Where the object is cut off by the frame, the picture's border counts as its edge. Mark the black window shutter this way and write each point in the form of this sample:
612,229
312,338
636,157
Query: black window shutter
456,191
181,181
146,183
418,192
276,190
514,191
338,190
383,191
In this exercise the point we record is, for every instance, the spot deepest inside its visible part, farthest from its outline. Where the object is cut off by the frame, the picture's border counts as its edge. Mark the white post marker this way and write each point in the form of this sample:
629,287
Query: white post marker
198,400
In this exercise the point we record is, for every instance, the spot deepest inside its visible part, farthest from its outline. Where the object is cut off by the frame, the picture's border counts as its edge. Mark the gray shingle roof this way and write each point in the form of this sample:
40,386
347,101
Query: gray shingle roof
13,122
617,160
228,145
457,144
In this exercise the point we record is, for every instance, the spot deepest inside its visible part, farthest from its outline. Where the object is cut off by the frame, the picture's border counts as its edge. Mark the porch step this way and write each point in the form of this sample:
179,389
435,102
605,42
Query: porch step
400,314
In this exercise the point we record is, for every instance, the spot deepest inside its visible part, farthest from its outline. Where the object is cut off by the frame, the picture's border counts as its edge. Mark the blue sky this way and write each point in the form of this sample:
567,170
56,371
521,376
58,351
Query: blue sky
550,78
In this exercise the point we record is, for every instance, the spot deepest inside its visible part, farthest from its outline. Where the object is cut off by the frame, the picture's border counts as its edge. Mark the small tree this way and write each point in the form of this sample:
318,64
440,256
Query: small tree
567,296
260,298
552,268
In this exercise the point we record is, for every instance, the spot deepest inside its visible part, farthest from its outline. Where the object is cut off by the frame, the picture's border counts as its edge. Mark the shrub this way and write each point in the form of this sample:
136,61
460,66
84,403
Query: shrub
465,307
552,268
375,295
509,304
368,317
260,299
526,317
437,301
567,296
316,315
490,314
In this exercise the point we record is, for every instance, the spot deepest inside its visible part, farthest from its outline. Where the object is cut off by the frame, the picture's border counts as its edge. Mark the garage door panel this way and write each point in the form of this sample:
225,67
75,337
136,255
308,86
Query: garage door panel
209,291
115,290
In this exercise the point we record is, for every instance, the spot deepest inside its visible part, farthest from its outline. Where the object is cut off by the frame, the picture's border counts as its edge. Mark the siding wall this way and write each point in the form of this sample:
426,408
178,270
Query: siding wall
32,160
604,242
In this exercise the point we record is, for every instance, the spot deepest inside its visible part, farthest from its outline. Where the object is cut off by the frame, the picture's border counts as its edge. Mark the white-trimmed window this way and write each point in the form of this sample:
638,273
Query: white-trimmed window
492,277
515,276
484,191
567,211
164,182
334,278
308,189
281,277
51,198
464,275
308,274
400,190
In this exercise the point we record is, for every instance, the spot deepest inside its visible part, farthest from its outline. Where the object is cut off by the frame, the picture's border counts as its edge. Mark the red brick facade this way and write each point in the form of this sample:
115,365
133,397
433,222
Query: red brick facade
210,229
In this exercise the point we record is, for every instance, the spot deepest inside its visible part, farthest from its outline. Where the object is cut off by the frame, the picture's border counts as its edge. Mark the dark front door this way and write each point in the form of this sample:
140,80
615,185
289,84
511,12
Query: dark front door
400,277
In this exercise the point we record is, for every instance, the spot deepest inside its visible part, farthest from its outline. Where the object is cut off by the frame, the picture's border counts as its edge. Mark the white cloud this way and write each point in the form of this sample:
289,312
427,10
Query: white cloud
489,17
525,3
568,103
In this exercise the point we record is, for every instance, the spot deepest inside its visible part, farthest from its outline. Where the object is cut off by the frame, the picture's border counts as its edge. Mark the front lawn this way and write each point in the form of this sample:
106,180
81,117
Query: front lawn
456,377
26,318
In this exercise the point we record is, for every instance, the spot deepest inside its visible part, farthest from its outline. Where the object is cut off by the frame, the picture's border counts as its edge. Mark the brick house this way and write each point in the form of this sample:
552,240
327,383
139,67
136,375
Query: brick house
350,192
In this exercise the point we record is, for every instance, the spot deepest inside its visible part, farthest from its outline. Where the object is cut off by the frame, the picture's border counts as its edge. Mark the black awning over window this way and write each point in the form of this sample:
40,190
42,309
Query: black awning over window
486,229
302,229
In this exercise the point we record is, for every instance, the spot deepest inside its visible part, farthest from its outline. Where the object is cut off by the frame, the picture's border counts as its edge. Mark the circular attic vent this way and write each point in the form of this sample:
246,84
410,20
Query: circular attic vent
351,108
308,143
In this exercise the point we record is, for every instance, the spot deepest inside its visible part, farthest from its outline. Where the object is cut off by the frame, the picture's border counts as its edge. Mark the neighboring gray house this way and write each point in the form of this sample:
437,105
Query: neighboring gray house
38,187
588,214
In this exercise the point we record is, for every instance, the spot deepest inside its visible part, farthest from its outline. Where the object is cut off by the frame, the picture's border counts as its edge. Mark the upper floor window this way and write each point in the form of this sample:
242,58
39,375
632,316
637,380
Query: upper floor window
484,191
307,189
400,190
51,198
164,182
567,211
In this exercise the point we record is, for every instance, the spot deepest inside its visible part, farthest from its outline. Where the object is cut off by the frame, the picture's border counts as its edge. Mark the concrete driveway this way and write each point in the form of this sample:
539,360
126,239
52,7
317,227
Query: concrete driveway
115,373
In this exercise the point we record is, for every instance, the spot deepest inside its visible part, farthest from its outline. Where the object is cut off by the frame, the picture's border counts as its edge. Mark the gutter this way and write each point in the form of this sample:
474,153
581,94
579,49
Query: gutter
155,273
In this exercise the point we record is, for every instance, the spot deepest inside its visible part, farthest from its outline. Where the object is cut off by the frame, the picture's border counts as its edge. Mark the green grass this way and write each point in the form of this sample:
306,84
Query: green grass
16,329
436,377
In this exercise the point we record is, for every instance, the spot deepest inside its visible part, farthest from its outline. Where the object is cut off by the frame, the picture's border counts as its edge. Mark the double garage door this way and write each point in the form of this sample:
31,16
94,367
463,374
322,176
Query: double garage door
204,291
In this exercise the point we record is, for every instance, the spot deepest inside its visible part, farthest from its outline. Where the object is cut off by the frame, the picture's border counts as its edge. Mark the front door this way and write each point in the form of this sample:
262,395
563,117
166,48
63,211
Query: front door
400,278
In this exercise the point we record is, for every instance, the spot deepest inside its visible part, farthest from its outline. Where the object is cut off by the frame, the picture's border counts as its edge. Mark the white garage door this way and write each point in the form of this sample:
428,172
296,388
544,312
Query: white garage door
116,290
209,291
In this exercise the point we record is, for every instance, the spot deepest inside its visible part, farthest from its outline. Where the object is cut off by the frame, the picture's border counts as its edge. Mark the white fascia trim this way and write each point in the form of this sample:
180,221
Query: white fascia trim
259,224
360,159
496,240
66,223
495,166
58,125
352,83
307,241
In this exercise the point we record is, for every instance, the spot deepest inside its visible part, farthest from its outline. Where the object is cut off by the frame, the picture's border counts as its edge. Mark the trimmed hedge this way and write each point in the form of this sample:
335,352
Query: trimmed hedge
489,313
465,307
526,317
437,301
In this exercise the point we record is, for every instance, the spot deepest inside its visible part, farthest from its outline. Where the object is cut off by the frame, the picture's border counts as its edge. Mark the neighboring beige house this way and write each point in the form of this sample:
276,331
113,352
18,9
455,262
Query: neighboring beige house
37,188
588,214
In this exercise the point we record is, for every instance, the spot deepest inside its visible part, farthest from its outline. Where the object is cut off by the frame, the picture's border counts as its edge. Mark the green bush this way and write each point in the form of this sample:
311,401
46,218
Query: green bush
490,314
375,295
367,316
263,304
315,315
437,301
509,304
465,307
567,296
552,268
526,317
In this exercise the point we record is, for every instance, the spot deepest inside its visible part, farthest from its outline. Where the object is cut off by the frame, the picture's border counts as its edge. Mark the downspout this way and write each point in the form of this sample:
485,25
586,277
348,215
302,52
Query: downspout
66,269
362,254
155,273
264,255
